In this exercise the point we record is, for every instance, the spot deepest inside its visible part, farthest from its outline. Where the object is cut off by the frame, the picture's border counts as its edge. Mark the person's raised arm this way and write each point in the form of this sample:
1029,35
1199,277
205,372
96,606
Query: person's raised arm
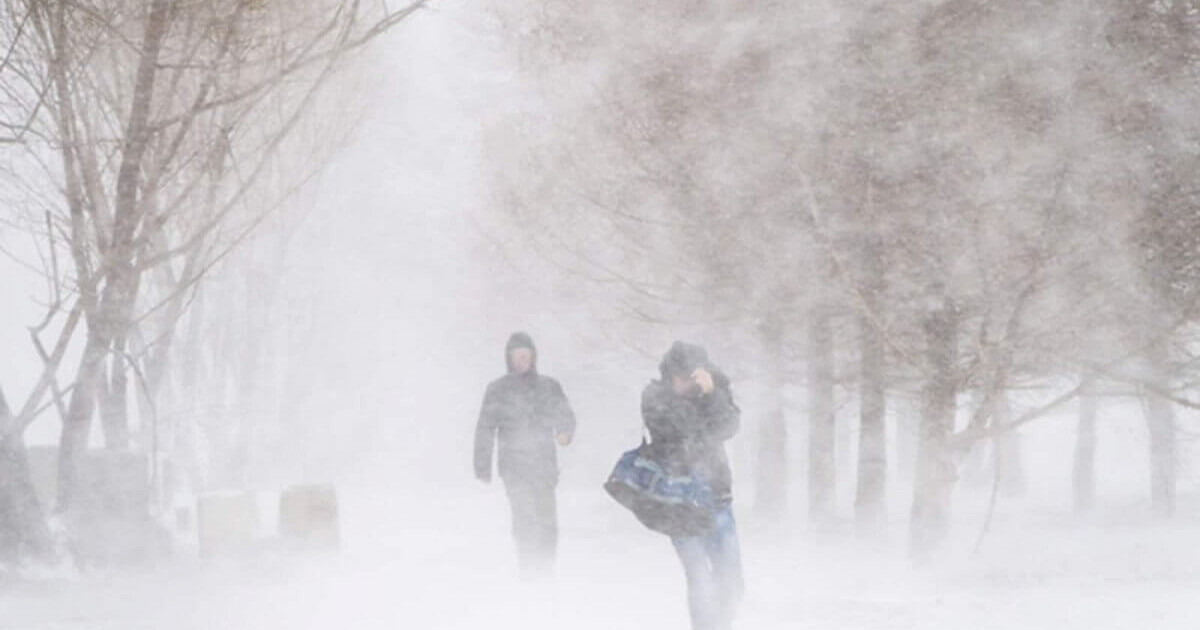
722,418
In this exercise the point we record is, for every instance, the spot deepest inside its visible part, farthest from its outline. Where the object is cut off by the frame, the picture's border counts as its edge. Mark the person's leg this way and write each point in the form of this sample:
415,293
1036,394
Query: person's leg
702,591
725,554
522,498
546,526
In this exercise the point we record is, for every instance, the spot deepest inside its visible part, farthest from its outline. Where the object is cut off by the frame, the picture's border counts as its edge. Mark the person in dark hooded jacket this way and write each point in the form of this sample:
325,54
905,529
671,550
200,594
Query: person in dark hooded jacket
690,414
530,415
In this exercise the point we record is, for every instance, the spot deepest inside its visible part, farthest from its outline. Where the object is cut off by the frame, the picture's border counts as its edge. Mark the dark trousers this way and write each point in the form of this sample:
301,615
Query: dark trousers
534,524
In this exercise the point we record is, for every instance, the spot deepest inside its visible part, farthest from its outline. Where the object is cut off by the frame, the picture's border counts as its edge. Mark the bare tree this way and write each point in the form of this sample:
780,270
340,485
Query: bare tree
940,187
156,128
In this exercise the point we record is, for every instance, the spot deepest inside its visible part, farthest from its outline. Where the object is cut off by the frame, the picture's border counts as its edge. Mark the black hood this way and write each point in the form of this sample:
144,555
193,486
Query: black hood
520,340
682,359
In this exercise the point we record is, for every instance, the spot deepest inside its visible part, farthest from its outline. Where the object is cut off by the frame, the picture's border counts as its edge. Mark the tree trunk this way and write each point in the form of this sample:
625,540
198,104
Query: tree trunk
935,474
870,503
1007,448
114,401
222,427
1160,419
183,465
147,397
254,328
111,316
822,466
908,427
1083,478
23,530
871,492
771,472
77,426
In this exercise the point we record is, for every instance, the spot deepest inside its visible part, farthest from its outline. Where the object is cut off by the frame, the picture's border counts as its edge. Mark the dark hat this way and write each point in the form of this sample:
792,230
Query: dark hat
682,359
519,340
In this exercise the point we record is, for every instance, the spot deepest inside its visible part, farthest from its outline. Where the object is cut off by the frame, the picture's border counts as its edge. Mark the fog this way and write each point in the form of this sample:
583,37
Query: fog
805,192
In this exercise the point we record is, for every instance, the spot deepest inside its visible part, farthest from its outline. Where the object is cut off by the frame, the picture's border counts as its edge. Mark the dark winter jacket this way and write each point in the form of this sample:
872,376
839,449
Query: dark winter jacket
688,432
527,411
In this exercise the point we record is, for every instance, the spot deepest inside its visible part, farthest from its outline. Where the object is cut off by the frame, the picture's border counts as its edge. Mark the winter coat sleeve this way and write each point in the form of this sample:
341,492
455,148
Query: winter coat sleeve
485,434
722,418
561,414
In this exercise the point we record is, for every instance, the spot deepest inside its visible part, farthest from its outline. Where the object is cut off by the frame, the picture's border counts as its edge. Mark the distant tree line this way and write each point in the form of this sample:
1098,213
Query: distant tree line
948,201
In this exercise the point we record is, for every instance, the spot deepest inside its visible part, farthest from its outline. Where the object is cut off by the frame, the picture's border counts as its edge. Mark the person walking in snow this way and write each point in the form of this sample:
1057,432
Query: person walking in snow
531,416
689,414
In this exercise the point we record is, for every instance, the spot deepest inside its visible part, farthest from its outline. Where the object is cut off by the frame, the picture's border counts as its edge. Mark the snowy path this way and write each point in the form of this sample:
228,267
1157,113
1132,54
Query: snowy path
454,571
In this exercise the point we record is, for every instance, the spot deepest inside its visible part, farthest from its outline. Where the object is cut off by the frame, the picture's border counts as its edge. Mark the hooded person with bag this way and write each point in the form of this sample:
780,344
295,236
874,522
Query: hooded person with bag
528,415
690,414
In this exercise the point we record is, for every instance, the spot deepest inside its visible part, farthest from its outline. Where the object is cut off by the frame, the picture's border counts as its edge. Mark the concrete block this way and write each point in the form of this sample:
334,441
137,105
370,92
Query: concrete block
227,523
308,514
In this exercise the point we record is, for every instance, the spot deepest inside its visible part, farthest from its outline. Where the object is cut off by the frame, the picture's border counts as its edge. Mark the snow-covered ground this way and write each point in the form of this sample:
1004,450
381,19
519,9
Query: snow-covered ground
446,562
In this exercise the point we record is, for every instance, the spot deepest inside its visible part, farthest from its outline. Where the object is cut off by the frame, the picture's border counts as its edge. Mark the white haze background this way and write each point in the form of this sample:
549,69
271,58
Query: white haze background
409,305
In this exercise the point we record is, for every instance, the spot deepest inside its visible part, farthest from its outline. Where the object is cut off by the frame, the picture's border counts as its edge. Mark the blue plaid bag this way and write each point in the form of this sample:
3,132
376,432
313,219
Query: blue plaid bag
675,505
